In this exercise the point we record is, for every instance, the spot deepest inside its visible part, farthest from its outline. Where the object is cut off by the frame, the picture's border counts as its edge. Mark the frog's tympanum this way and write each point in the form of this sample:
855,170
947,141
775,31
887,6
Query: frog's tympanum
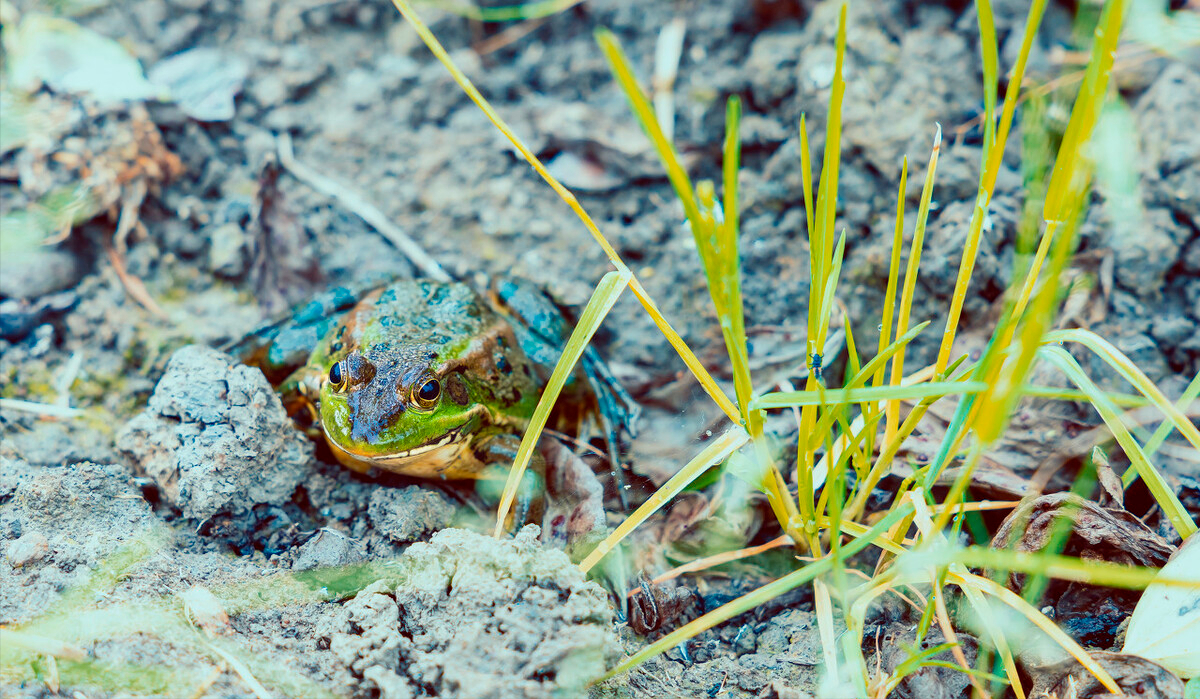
425,378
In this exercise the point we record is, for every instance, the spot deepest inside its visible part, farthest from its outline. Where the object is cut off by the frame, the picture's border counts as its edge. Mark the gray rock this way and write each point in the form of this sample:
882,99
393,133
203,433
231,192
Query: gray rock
328,547
405,514
215,437
29,274
29,548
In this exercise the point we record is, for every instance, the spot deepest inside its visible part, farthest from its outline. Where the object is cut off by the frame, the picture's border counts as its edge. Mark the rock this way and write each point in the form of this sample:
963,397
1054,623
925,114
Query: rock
476,617
215,437
227,253
29,548
771,66
405,514
19,316
1144,256
328,547
28,274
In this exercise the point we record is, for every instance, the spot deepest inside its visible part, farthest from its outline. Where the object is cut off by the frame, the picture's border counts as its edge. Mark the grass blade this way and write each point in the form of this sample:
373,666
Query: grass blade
715,452
606,294
1163,494
762,594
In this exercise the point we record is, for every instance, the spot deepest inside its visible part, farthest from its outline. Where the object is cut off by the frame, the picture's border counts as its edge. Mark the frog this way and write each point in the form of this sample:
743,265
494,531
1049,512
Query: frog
432,379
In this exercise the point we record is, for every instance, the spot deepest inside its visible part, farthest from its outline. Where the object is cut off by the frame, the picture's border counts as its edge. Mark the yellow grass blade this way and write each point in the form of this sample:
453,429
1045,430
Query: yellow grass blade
706,380
910,281
715,452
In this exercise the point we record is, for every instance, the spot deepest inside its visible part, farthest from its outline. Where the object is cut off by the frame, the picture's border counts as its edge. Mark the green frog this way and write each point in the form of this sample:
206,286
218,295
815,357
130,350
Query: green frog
429,379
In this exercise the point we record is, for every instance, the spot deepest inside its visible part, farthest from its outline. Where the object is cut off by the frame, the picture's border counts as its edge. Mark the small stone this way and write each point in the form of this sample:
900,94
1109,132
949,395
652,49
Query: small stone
328,547
227,250
29,548
405,514
28,274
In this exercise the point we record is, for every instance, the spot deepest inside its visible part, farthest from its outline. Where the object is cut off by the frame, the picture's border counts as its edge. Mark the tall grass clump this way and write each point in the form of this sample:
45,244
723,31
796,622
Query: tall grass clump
850,436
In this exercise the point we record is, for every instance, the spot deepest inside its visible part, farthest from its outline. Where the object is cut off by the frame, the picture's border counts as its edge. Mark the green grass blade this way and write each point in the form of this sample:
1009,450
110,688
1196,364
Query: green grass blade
910,279
1135,376
889,296
842,396
1163,494
606,294
1164,430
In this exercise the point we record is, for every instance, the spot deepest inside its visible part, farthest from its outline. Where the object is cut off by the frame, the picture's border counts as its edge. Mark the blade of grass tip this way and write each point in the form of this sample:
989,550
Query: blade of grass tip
644,112
987,185
705,379
910,280
713,453
1163,494
728,251
889,296
806,176
1164,430
1135,376
991,69
758,597
606,294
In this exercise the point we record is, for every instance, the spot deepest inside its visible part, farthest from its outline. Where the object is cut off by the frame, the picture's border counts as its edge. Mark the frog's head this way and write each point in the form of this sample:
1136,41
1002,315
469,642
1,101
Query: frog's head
397,410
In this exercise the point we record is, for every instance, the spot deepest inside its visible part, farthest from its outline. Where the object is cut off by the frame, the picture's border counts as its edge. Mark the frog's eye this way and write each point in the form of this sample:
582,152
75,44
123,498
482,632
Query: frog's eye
427,393
337,377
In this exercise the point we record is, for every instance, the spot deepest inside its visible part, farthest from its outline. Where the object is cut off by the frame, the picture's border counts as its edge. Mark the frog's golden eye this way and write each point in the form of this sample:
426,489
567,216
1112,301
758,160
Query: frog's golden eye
337,377
427,393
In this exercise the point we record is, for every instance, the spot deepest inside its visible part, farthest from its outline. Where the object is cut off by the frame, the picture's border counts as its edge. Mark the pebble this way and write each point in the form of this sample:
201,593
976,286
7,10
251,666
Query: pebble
31,547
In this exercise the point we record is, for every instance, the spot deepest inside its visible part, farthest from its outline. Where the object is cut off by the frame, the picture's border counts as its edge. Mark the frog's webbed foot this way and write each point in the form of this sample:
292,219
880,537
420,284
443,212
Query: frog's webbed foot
542,331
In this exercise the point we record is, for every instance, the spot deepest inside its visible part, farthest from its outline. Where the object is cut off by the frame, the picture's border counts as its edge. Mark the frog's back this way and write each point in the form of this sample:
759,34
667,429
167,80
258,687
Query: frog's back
442,318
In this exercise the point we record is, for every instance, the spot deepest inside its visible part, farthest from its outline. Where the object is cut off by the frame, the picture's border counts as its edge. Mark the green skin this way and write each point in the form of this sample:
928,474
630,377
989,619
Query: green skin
430,381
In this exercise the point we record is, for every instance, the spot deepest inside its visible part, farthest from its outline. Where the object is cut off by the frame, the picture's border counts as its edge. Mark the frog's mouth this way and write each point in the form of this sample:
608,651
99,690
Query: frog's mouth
443,458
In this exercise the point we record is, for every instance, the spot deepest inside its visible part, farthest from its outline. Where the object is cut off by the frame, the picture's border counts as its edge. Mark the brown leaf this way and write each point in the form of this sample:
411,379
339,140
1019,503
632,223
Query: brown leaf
284,268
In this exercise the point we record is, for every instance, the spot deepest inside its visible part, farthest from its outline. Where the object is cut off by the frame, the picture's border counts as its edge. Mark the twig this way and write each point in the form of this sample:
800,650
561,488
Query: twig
43,409
364,209
133,286
509,35
241,669
716,560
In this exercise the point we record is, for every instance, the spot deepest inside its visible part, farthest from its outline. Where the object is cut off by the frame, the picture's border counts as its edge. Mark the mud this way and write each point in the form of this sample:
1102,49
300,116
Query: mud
477,618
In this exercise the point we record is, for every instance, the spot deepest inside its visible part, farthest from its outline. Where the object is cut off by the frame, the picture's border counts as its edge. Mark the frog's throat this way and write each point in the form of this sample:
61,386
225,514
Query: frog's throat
449,457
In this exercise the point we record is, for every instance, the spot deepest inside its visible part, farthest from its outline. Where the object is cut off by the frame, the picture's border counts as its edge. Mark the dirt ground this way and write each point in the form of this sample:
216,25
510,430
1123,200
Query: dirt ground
189,455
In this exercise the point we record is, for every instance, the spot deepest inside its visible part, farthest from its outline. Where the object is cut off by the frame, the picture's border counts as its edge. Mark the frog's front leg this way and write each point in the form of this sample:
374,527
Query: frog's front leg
573,506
